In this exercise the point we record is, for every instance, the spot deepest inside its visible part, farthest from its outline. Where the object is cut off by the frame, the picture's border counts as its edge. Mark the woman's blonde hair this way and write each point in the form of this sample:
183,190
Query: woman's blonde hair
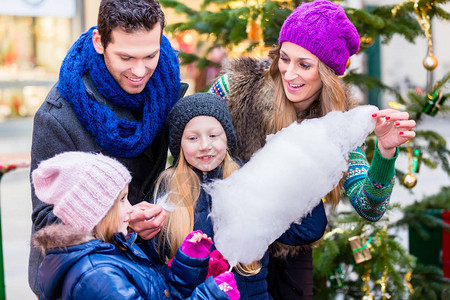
331,97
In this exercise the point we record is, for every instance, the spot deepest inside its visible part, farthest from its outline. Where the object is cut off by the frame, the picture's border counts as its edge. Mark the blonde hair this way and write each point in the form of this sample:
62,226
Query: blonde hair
106,228
332,97
183,186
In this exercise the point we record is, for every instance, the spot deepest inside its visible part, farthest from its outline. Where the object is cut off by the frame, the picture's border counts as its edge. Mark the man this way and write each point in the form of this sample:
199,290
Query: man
116,87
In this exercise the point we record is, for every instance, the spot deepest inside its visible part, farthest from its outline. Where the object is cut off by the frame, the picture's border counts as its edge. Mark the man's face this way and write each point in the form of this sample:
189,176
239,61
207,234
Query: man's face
131,58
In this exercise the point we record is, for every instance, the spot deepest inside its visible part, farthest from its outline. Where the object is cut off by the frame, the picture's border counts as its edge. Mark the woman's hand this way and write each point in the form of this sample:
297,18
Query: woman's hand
392,129
147,219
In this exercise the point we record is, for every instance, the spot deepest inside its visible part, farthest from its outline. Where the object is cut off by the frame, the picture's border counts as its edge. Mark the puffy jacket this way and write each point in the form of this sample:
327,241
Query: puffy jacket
98,270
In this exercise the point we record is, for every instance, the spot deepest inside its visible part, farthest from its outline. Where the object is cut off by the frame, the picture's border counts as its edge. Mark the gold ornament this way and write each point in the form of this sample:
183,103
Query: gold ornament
366,41
409,181
430,62
348,63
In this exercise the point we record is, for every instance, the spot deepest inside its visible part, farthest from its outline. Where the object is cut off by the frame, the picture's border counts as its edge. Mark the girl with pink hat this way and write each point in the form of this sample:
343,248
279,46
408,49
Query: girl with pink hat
91,255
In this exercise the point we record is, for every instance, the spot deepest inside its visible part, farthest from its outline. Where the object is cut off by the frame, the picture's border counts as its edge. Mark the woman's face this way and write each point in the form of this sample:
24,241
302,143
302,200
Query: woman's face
125,209
299,71
204,143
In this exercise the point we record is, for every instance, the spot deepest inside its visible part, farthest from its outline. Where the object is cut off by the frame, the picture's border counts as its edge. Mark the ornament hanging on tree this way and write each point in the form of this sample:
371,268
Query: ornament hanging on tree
336,278
416,160
432,100
366,41
430,62
409,180
366,287
254,31
360,248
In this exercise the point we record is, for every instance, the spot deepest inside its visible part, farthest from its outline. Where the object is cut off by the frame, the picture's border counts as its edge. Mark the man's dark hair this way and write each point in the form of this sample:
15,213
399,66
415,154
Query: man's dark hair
129,15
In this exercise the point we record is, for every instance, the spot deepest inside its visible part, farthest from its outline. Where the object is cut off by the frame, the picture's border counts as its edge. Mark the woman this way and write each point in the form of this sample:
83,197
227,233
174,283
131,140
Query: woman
300,81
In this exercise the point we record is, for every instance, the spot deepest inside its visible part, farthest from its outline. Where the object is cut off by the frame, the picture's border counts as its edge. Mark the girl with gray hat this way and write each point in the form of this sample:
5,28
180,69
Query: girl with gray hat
201,136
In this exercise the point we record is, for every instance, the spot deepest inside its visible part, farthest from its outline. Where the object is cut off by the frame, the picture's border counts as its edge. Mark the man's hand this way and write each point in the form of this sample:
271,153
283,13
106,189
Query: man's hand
147,219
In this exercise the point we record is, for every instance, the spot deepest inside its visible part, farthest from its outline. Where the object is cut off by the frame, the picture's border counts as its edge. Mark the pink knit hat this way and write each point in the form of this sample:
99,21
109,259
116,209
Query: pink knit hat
322,28
81,186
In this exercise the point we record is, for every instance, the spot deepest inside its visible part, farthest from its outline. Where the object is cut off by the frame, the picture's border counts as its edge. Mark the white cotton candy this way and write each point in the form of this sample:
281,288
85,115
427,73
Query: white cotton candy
284,181
163,202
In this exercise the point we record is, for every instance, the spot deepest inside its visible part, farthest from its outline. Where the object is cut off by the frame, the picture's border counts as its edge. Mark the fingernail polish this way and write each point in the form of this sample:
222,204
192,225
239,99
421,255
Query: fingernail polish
374,115
396,124
387,118
401,133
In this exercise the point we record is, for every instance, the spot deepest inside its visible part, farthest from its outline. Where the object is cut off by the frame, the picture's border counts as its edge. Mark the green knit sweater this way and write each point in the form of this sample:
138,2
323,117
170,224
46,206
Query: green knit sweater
369,188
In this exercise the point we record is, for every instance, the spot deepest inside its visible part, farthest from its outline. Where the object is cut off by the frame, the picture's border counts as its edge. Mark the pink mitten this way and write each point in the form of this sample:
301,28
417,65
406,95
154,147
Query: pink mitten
196,249
217,264
227,283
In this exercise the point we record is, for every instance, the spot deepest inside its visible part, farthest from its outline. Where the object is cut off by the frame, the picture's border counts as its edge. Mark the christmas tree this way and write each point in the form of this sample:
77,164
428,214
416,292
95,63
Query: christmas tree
356,258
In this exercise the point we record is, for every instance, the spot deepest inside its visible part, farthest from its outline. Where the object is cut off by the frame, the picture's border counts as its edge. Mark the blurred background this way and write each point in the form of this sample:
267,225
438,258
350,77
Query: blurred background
405,51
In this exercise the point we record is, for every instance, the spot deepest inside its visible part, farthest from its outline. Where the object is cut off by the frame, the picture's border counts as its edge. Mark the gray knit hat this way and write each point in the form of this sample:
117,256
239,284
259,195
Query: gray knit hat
200,104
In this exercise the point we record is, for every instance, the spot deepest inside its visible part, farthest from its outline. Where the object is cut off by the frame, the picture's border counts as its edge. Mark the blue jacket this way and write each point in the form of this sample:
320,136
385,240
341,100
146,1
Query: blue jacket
99,270
253,287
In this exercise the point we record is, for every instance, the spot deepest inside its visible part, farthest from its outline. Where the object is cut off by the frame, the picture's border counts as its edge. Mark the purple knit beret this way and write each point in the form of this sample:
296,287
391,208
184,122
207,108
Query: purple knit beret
322,28
82,187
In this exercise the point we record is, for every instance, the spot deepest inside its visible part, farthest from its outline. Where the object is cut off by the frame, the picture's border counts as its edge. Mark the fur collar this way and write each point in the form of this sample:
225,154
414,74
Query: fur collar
59,236
251,103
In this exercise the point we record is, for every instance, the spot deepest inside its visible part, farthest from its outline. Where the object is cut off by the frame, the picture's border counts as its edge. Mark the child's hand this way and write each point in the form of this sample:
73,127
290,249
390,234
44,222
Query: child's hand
217,264
227,283
196,244
198,236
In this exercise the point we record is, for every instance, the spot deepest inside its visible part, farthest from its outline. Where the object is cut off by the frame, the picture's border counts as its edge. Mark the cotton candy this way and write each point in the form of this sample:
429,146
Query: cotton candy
284,181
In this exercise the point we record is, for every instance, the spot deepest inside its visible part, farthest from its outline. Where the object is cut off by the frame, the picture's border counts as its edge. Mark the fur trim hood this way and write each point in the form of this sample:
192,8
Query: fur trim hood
251,103
59,236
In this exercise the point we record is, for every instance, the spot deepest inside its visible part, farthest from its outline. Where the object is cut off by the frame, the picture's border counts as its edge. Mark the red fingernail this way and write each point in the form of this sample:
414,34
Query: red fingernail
396,124
387,118
374,115
401,133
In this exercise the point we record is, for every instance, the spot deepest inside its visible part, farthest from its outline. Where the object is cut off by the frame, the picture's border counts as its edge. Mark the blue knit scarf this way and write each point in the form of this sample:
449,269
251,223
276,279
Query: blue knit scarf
120,137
